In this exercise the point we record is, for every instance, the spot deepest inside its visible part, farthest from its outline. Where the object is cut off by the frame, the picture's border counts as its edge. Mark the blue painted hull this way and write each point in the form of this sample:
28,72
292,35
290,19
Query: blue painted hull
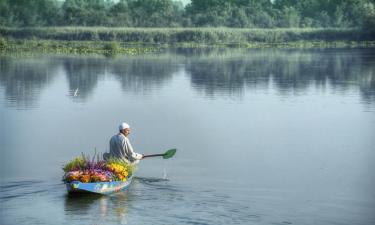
98,187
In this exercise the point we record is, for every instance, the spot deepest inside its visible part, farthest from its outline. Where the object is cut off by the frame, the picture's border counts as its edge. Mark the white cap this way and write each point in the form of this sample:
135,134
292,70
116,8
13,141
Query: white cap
123,126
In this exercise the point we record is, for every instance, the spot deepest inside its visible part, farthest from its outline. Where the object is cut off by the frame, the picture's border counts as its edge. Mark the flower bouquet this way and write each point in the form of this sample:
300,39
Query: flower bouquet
88,170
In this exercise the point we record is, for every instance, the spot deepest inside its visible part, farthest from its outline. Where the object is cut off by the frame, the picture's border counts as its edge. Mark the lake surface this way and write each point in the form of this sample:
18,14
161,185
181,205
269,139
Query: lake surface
263,136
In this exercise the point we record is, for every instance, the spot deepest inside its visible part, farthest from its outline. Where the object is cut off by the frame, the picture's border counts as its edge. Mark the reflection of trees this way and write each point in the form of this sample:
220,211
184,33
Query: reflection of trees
218,76
342,70
83,74
23,80
290,71
136,74
142,74
367,85
218,72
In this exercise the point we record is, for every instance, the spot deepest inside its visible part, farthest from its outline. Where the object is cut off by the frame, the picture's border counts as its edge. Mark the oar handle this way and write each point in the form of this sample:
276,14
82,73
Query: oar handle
153,155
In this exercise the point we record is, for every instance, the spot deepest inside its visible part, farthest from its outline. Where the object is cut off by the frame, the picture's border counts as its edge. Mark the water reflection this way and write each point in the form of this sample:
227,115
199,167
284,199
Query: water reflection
82,75
98,208
213,73
143,74
290,71
24,79
80,204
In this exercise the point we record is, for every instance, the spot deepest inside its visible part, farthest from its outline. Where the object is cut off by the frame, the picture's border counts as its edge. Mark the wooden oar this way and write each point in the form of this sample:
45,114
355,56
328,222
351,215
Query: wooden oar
168,154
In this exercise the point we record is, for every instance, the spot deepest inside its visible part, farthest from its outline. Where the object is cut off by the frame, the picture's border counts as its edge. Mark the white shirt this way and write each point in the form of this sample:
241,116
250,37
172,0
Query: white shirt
120,147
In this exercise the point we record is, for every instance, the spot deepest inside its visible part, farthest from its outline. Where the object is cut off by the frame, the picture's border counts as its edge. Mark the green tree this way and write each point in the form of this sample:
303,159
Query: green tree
157,13
4,13
369,17
210,12
289,17
86,12
120,14
29,13
171,13
233,13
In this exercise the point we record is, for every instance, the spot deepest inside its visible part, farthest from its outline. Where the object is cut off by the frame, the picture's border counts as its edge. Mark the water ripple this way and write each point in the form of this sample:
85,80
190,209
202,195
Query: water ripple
16,189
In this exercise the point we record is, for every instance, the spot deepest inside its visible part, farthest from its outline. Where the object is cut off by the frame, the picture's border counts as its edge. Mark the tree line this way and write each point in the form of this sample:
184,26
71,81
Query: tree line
198,13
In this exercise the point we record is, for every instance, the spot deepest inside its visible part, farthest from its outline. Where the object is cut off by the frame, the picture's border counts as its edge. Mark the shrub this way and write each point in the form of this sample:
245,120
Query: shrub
3,43
112,47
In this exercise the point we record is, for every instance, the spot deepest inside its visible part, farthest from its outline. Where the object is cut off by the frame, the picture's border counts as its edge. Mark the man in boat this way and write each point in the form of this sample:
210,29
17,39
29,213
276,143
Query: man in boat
120,147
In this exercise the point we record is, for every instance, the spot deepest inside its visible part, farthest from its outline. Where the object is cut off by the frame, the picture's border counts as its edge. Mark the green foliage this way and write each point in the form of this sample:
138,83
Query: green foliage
70,47
112,47
78,162
97,37
369,18
29,13
85,12
154,13
289,17
199,13
3,44
134,41
120,14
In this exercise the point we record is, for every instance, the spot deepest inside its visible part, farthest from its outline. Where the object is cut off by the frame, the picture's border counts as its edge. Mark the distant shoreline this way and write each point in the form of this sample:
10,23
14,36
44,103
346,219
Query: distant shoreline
106,40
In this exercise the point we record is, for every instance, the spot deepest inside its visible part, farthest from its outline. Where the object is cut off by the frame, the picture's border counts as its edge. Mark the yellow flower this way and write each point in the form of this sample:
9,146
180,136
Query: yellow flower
119,170
85,178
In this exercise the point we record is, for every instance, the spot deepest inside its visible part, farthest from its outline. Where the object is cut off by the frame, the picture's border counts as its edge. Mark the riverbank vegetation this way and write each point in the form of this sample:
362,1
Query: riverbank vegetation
183,35
132,41
108,48
128,26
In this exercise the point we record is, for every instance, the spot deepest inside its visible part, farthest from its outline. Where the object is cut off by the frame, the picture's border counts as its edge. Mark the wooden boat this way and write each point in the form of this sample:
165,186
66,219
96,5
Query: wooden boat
75,187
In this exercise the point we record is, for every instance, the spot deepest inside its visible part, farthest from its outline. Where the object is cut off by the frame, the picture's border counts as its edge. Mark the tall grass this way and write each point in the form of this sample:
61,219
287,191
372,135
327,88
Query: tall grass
186,35
133,41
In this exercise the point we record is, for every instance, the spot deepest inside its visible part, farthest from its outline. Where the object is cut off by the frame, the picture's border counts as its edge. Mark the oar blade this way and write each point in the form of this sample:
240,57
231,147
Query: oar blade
169,154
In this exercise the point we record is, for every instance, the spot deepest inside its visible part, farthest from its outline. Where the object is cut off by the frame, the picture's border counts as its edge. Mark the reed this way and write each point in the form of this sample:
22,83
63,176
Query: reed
134,41
183,35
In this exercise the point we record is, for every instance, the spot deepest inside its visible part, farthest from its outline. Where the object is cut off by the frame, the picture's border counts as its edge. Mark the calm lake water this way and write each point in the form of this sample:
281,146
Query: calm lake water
263,136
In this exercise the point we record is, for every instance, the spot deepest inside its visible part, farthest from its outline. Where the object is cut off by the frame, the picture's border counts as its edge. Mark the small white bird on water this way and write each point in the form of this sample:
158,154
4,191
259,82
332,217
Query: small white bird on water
75,93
